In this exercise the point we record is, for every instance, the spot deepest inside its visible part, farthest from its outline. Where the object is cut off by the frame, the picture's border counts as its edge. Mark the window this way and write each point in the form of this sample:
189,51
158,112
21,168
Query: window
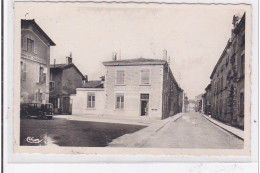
227,60
119,101
243,40
222,83
30,45
242,104
145,77
54,101
120,77
91,100
38,96
41,74
242,68
52,85
23,71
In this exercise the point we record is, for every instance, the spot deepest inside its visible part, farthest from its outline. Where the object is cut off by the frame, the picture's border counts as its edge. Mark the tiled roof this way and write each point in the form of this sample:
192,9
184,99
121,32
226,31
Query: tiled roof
61,66
64,66
93,84
138,61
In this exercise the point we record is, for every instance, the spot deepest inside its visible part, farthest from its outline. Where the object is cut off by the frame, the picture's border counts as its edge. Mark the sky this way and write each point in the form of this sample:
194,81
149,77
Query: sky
193,35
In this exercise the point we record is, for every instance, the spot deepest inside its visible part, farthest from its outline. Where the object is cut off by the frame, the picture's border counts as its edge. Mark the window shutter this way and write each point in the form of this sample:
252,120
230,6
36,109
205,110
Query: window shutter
24,42
44,74
37,73
24,71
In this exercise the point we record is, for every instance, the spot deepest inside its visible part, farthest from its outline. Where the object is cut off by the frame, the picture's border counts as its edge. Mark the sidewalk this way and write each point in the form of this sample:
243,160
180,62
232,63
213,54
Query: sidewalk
140,137
235,131
146,121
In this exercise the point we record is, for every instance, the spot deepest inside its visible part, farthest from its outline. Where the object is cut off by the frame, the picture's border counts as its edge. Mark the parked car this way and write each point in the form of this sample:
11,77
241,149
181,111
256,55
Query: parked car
36,110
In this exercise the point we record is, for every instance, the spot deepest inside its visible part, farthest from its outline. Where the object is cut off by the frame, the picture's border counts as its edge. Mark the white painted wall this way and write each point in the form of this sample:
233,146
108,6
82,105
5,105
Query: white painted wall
79,101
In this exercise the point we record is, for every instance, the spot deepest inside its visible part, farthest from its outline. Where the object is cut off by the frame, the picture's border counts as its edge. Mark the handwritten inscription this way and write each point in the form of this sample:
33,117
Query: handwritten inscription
32,140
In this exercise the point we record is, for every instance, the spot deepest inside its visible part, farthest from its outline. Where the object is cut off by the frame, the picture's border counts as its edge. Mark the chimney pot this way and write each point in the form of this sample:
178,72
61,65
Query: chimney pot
165,55
114,56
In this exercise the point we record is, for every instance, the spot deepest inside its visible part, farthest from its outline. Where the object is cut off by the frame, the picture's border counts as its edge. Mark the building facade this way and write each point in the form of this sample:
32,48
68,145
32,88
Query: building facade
227,78
35,63
207,100
141,87
133,88
90,98
64,79
199,103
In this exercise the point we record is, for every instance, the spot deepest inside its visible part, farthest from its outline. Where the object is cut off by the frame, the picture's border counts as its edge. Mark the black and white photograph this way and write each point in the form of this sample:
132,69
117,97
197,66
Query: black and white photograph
159,78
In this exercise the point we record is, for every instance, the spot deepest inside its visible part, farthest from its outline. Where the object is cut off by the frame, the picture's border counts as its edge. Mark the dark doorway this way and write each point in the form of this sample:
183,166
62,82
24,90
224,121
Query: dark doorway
144,104
66,105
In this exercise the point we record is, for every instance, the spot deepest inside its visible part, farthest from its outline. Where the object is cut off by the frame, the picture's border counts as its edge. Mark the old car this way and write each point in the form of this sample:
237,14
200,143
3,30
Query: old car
36,110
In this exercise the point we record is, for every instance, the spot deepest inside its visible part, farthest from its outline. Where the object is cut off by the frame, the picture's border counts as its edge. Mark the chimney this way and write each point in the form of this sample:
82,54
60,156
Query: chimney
54,63
165,55
114,56
85,79
69,59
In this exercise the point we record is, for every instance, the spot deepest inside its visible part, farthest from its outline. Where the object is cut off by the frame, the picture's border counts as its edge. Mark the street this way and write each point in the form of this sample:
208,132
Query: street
192,130
63,132
185,130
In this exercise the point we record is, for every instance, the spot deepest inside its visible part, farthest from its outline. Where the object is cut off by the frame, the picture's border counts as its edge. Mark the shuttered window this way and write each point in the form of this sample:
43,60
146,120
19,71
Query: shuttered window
38,96
120,101
37,73
24,43
91,100
145,77
242,66
23,71
120,77
30,45
52,85
242,104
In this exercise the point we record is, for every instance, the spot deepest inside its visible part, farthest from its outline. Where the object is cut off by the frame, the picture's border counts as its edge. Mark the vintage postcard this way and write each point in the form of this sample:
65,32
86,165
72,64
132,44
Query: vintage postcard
132,78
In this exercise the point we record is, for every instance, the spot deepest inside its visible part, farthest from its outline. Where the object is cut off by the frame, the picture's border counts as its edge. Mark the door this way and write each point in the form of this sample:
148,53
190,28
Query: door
144,101
66,105
144,107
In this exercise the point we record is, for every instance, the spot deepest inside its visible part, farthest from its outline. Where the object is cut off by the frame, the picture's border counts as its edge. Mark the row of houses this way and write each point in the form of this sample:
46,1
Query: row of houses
224,97
132,87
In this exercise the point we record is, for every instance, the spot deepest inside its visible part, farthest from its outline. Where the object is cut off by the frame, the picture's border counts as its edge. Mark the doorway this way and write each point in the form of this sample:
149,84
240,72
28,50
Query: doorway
144,102
66,105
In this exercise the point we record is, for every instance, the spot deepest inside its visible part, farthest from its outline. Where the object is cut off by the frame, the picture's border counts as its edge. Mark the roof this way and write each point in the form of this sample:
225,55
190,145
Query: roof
93,84
240,24
65,66
208,87
33,23
220,59
137,61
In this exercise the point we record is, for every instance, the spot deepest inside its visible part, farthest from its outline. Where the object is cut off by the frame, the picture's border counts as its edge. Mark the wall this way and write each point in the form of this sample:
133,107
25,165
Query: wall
225,101
56,76
79,102
170,94
71,79
34,60
132,90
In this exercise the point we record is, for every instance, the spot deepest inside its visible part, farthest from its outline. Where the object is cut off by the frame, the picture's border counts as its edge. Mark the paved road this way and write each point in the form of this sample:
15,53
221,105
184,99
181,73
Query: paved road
192,130
63,132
